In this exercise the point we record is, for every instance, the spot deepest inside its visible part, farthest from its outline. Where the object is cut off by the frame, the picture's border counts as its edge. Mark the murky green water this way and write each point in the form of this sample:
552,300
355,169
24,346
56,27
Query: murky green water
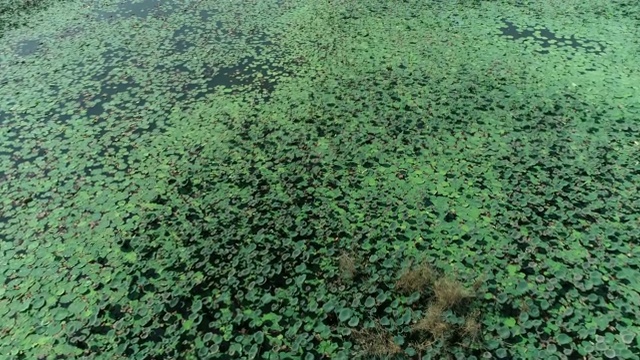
248,179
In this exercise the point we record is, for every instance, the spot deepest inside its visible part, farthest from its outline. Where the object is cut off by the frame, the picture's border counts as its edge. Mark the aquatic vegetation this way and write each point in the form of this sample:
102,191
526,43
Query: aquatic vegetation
308,179
16,12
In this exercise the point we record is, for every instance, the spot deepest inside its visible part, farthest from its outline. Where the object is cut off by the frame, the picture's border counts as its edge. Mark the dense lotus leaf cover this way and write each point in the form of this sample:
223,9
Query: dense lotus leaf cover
264,179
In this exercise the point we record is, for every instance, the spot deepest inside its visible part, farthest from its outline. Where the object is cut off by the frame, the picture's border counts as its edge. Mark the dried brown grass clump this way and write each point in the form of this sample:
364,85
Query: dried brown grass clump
450,293
434,331
416,279
348,266
433,322
471,328
377,342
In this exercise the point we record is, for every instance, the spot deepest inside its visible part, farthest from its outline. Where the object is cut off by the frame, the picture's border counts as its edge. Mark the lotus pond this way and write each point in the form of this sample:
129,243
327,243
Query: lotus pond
309,179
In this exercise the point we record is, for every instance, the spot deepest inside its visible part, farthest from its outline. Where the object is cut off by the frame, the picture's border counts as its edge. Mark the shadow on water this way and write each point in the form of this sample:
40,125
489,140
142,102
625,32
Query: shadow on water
546,39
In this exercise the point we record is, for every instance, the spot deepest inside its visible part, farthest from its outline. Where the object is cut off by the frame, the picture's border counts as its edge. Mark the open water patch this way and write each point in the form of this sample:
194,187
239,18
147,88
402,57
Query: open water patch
547,39
28,47
141,9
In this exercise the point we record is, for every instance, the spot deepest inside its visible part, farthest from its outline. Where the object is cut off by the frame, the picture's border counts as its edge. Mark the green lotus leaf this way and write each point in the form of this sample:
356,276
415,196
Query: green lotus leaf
369,302
564,339
188,324
544,304
504,332
627,337
522,287
54,329
354,321
323,330
252,352
203,351
384,321
510,322
382,297
551,349
259,337
37,303
601,346
610,354
207,337
24,305
235,349
502,298
328,306
345,314
197,305
60,314
312,306
585,348
399,340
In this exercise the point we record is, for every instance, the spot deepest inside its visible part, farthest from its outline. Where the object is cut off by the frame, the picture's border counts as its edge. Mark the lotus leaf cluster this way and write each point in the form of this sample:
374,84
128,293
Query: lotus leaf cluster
311,179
